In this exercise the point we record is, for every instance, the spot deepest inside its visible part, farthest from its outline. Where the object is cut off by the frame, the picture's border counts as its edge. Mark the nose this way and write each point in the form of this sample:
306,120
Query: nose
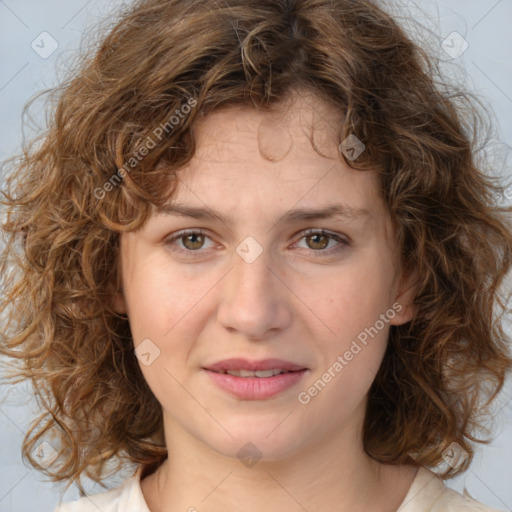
255,300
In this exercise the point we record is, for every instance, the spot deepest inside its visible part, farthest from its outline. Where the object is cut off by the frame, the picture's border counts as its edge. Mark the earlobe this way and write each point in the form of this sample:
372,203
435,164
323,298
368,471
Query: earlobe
404,313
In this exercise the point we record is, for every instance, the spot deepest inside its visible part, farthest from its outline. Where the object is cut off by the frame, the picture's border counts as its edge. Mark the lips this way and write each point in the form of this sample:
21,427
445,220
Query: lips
255,380
257,373
239,364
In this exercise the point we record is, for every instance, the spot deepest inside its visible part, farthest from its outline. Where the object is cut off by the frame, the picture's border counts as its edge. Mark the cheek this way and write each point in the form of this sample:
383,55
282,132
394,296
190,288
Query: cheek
355,298
167,308
355,347
147,302
160,311
158,299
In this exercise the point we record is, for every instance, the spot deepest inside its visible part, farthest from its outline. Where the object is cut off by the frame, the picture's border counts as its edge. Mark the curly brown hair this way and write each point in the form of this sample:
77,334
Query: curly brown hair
88,178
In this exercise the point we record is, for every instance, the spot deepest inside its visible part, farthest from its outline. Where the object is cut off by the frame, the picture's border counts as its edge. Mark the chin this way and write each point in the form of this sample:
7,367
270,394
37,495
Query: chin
265,441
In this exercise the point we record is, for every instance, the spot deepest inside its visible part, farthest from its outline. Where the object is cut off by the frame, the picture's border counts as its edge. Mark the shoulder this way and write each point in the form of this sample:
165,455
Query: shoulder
453,501
126,498
429,493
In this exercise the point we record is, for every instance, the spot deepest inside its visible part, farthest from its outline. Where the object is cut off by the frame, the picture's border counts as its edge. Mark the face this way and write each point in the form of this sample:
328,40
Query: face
268,250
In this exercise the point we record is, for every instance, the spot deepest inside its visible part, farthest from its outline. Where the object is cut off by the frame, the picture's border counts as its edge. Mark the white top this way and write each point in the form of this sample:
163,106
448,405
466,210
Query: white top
427,493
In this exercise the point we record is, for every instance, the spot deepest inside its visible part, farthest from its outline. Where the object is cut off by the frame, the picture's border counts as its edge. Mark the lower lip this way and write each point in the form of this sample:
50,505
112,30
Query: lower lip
256,388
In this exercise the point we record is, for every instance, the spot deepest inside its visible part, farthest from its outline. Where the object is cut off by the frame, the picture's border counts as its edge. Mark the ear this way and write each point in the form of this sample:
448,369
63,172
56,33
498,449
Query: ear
404,301
118,302
115,292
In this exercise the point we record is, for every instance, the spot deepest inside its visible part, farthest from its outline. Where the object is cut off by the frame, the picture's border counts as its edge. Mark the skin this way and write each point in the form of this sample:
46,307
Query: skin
304,299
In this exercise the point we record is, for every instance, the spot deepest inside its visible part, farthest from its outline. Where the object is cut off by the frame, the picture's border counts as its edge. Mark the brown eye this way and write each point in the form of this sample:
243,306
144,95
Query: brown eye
322,242
193,241
318,241
189,241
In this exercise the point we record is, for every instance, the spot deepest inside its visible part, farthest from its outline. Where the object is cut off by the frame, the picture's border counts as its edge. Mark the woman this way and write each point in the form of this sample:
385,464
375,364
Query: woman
259,265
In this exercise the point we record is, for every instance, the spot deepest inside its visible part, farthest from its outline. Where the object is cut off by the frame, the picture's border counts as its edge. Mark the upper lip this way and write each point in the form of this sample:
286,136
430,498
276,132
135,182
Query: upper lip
246,364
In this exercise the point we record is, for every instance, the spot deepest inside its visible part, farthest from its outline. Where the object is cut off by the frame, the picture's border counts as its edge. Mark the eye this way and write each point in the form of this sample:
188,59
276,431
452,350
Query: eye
191,240
319,240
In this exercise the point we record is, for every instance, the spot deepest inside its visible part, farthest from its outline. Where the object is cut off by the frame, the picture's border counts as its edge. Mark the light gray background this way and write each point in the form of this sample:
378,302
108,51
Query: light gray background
485,25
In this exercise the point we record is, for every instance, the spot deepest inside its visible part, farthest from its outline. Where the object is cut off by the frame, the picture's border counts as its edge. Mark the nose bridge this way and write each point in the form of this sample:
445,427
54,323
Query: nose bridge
252,277
253,301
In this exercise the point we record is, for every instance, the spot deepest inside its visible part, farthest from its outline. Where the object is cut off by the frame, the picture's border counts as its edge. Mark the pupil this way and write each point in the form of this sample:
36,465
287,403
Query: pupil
193,241
315,241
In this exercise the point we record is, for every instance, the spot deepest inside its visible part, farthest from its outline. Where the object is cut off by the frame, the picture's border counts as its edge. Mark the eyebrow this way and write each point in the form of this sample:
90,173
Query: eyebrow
292,216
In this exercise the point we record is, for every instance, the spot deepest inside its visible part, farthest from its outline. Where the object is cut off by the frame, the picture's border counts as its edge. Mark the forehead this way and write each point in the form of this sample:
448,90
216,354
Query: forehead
301,122
268,168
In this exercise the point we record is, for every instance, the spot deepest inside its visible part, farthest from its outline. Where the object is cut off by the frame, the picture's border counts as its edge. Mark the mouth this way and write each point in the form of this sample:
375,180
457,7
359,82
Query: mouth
258,373
240,367
255,380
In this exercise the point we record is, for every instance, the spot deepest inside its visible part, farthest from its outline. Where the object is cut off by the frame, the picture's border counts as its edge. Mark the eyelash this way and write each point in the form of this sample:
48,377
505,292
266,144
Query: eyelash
342,242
